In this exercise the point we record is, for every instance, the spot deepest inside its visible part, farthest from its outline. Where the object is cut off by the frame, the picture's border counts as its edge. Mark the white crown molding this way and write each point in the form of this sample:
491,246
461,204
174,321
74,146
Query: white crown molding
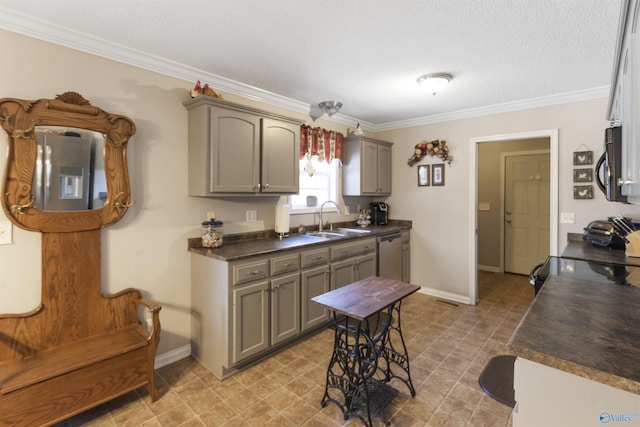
525,104
18,23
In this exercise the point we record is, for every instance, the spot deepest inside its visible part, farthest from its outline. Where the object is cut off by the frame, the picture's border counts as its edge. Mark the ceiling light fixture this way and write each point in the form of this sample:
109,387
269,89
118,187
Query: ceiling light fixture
330,107
434,82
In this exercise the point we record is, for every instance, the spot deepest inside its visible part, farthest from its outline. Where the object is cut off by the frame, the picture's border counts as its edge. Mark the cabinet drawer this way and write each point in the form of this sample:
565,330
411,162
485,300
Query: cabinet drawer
315,257
284,264
247,272
352,249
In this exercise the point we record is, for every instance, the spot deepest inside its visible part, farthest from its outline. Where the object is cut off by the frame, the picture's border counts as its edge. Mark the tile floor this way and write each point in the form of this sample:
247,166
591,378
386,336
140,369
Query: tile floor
448,346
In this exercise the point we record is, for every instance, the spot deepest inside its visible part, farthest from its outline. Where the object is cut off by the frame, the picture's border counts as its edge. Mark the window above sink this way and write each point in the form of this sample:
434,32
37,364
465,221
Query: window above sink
316,189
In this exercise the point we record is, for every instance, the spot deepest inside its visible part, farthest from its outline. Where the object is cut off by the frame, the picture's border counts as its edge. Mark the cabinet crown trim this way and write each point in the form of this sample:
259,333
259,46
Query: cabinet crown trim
215,102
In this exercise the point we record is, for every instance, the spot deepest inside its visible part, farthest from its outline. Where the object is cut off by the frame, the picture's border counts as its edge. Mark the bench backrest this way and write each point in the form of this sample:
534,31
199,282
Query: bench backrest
72,305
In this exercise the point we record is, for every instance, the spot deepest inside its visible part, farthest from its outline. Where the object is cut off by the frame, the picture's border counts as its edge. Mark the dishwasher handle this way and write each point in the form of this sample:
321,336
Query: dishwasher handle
389,238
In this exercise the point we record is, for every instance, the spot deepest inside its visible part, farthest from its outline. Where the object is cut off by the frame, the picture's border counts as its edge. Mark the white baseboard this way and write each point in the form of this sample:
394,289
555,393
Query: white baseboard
172,356
463,299
489,268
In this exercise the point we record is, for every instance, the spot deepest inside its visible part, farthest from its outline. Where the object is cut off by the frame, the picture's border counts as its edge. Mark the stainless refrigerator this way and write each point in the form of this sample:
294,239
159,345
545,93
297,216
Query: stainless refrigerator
62,181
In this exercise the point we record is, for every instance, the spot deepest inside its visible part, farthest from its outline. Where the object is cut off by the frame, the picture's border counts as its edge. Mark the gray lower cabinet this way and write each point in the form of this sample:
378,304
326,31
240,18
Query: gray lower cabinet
250,320
351,262
315,281
352,270
243,309
285,307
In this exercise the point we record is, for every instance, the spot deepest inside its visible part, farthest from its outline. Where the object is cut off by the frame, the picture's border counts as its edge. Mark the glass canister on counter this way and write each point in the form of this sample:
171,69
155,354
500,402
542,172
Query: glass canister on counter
212,234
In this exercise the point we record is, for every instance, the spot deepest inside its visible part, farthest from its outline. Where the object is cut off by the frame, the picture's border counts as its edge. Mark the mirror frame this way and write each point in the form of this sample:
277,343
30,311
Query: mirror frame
19,119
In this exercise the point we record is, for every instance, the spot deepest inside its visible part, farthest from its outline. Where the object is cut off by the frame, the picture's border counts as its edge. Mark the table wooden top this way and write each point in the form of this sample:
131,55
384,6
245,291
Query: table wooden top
366,297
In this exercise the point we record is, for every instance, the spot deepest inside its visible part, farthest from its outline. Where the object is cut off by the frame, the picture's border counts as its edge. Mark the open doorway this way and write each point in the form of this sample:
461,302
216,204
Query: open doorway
481,203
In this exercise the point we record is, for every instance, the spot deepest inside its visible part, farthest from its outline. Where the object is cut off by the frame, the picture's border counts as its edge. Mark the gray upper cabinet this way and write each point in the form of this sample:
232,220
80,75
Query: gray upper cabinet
279,167
235,149
367,166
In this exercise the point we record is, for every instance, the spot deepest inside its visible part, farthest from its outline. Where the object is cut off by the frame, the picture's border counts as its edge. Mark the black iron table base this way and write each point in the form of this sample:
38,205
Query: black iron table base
367,355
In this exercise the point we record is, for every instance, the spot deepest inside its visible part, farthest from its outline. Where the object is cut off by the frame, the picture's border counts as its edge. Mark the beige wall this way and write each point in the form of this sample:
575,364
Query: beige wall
489,192
147,249
440,240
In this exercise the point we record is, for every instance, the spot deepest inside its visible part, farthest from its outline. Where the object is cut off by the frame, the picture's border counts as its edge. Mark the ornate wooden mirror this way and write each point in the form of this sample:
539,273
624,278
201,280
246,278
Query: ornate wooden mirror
90,183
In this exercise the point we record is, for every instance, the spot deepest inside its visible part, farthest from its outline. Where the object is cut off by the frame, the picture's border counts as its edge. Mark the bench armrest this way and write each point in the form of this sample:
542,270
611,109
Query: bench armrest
154,309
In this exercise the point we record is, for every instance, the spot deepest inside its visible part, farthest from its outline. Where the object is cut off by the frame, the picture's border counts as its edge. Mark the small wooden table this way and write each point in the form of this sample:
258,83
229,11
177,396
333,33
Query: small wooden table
368,343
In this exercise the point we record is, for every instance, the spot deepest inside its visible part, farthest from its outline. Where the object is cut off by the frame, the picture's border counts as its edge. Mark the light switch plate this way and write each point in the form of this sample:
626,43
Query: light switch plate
484,206
6,232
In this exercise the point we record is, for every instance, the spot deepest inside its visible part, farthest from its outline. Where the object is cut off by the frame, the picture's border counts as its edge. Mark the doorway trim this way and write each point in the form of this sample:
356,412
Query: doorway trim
503,158
552,134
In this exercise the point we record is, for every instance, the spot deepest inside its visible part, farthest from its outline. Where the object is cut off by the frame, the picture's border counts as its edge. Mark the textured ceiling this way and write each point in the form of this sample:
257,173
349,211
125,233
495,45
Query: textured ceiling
365,53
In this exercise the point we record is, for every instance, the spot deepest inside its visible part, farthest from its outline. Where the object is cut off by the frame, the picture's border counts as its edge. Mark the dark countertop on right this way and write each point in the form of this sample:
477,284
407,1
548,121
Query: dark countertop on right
583,327
578,249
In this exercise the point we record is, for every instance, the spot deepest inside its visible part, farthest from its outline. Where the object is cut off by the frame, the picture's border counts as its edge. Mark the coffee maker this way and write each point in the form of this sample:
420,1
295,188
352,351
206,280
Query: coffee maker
379,213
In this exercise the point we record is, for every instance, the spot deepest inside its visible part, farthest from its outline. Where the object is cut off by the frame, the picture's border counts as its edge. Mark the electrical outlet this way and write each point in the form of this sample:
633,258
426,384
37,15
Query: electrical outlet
6,233
252,216
211,214
567,217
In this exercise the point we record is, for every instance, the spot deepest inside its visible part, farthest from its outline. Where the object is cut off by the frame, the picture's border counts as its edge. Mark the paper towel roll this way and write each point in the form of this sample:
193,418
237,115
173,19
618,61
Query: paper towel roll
282,219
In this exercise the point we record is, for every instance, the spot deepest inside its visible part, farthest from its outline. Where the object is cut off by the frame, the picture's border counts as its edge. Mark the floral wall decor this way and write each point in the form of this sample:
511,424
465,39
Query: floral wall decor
434,148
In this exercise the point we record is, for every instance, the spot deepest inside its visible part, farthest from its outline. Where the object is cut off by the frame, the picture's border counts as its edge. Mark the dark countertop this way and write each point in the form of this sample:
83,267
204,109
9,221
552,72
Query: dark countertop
578,249
584,327
236,247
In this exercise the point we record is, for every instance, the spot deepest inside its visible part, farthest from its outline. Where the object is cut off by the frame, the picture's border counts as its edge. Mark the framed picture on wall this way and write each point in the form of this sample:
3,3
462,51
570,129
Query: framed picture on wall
424,177
583,192
437,175
582,158
583,175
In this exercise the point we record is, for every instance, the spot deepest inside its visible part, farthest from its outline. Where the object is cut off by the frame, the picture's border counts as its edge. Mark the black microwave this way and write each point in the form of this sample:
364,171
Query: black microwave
610,164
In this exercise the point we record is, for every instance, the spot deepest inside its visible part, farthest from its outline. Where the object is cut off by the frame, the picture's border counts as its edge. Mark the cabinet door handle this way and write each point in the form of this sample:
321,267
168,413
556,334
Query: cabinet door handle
254,272
266,186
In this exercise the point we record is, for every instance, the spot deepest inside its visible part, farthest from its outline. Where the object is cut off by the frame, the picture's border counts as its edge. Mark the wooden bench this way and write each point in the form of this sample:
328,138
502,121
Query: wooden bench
78,349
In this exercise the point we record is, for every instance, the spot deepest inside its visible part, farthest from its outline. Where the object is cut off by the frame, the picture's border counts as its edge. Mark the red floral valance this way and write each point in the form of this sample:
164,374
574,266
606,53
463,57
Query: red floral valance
326,144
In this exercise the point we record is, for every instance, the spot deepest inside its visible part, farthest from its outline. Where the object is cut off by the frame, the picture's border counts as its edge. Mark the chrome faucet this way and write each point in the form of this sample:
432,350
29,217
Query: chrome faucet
321,207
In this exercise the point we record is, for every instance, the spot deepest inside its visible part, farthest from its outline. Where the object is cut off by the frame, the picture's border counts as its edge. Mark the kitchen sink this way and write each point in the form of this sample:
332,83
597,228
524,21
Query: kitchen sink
340,232
327,234
353,230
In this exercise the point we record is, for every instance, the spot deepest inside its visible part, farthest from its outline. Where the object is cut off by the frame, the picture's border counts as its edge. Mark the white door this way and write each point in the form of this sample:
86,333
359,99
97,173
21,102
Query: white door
526,212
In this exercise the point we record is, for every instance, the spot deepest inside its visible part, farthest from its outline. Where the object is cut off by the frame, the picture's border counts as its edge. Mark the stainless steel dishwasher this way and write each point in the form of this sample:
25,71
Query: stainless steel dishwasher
390,256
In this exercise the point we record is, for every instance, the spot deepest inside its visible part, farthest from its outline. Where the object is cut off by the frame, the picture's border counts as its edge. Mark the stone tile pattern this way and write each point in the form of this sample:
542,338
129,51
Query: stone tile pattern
448,345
